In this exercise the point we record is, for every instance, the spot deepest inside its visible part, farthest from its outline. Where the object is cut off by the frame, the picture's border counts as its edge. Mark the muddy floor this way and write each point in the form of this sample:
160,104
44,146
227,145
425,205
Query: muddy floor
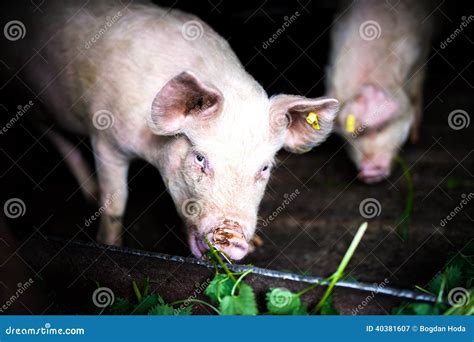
312,232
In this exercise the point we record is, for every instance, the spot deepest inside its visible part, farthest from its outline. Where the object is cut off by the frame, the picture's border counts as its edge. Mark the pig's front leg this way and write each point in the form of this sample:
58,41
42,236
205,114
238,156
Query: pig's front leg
112,169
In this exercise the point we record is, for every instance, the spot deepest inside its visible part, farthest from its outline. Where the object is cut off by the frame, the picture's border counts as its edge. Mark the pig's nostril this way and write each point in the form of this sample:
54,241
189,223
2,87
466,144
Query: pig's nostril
234,248
230,239
226,236
228,226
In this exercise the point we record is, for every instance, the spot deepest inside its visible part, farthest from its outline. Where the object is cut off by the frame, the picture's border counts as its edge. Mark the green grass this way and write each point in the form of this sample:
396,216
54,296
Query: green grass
452,287
230,294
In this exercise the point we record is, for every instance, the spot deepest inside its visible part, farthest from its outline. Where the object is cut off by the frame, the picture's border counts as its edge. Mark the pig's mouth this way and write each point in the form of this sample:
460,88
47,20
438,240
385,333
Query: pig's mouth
197,244
228,237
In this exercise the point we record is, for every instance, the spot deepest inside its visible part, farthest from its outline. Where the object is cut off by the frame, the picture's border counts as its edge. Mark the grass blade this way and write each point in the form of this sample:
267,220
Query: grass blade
342,266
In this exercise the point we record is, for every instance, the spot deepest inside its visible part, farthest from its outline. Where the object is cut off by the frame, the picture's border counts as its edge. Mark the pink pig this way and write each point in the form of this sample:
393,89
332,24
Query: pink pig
377,68
146,82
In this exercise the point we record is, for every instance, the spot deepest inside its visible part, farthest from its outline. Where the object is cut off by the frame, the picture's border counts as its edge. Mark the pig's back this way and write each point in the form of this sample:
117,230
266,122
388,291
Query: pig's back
106,57
375,43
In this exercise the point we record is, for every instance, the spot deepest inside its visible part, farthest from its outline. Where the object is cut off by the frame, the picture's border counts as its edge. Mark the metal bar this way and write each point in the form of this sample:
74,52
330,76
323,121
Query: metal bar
373,288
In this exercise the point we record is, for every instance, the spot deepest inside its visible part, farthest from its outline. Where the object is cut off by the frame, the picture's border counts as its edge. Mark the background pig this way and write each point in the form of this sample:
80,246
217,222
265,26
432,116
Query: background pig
160,85
377,68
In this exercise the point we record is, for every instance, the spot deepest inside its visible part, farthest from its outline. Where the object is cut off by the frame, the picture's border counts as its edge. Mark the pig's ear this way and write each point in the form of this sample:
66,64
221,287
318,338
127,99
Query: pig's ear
372,107
183,102
289,114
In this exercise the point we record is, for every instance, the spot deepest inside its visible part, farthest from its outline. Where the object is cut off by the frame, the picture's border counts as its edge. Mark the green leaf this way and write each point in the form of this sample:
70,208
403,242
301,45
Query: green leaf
242,304
464,260
282,302
186,311
422,309
404,309
168,310
229,306
435,284
429,309
121,306
162,310
247,300
219,287
301,311
328,307
147,303
453,277
419,309
453,183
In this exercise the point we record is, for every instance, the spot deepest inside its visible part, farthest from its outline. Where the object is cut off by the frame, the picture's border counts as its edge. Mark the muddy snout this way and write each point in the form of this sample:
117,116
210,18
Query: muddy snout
229,238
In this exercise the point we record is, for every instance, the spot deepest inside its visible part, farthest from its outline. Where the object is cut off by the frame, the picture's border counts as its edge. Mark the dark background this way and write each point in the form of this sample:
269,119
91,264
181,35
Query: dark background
31,169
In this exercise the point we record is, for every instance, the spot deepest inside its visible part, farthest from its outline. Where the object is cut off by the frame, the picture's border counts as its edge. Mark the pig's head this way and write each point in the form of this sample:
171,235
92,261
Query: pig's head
382,120
220,152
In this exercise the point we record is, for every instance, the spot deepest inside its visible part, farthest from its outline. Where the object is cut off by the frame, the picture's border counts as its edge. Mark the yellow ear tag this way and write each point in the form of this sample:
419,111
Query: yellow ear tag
350,123
312,119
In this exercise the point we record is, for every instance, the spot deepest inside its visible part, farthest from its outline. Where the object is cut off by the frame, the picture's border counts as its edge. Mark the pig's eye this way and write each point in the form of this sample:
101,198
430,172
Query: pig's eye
265,170
200,160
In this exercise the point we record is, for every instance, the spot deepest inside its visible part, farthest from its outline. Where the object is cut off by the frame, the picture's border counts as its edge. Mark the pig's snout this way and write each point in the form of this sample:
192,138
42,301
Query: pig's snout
227,236
373,173
230,239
